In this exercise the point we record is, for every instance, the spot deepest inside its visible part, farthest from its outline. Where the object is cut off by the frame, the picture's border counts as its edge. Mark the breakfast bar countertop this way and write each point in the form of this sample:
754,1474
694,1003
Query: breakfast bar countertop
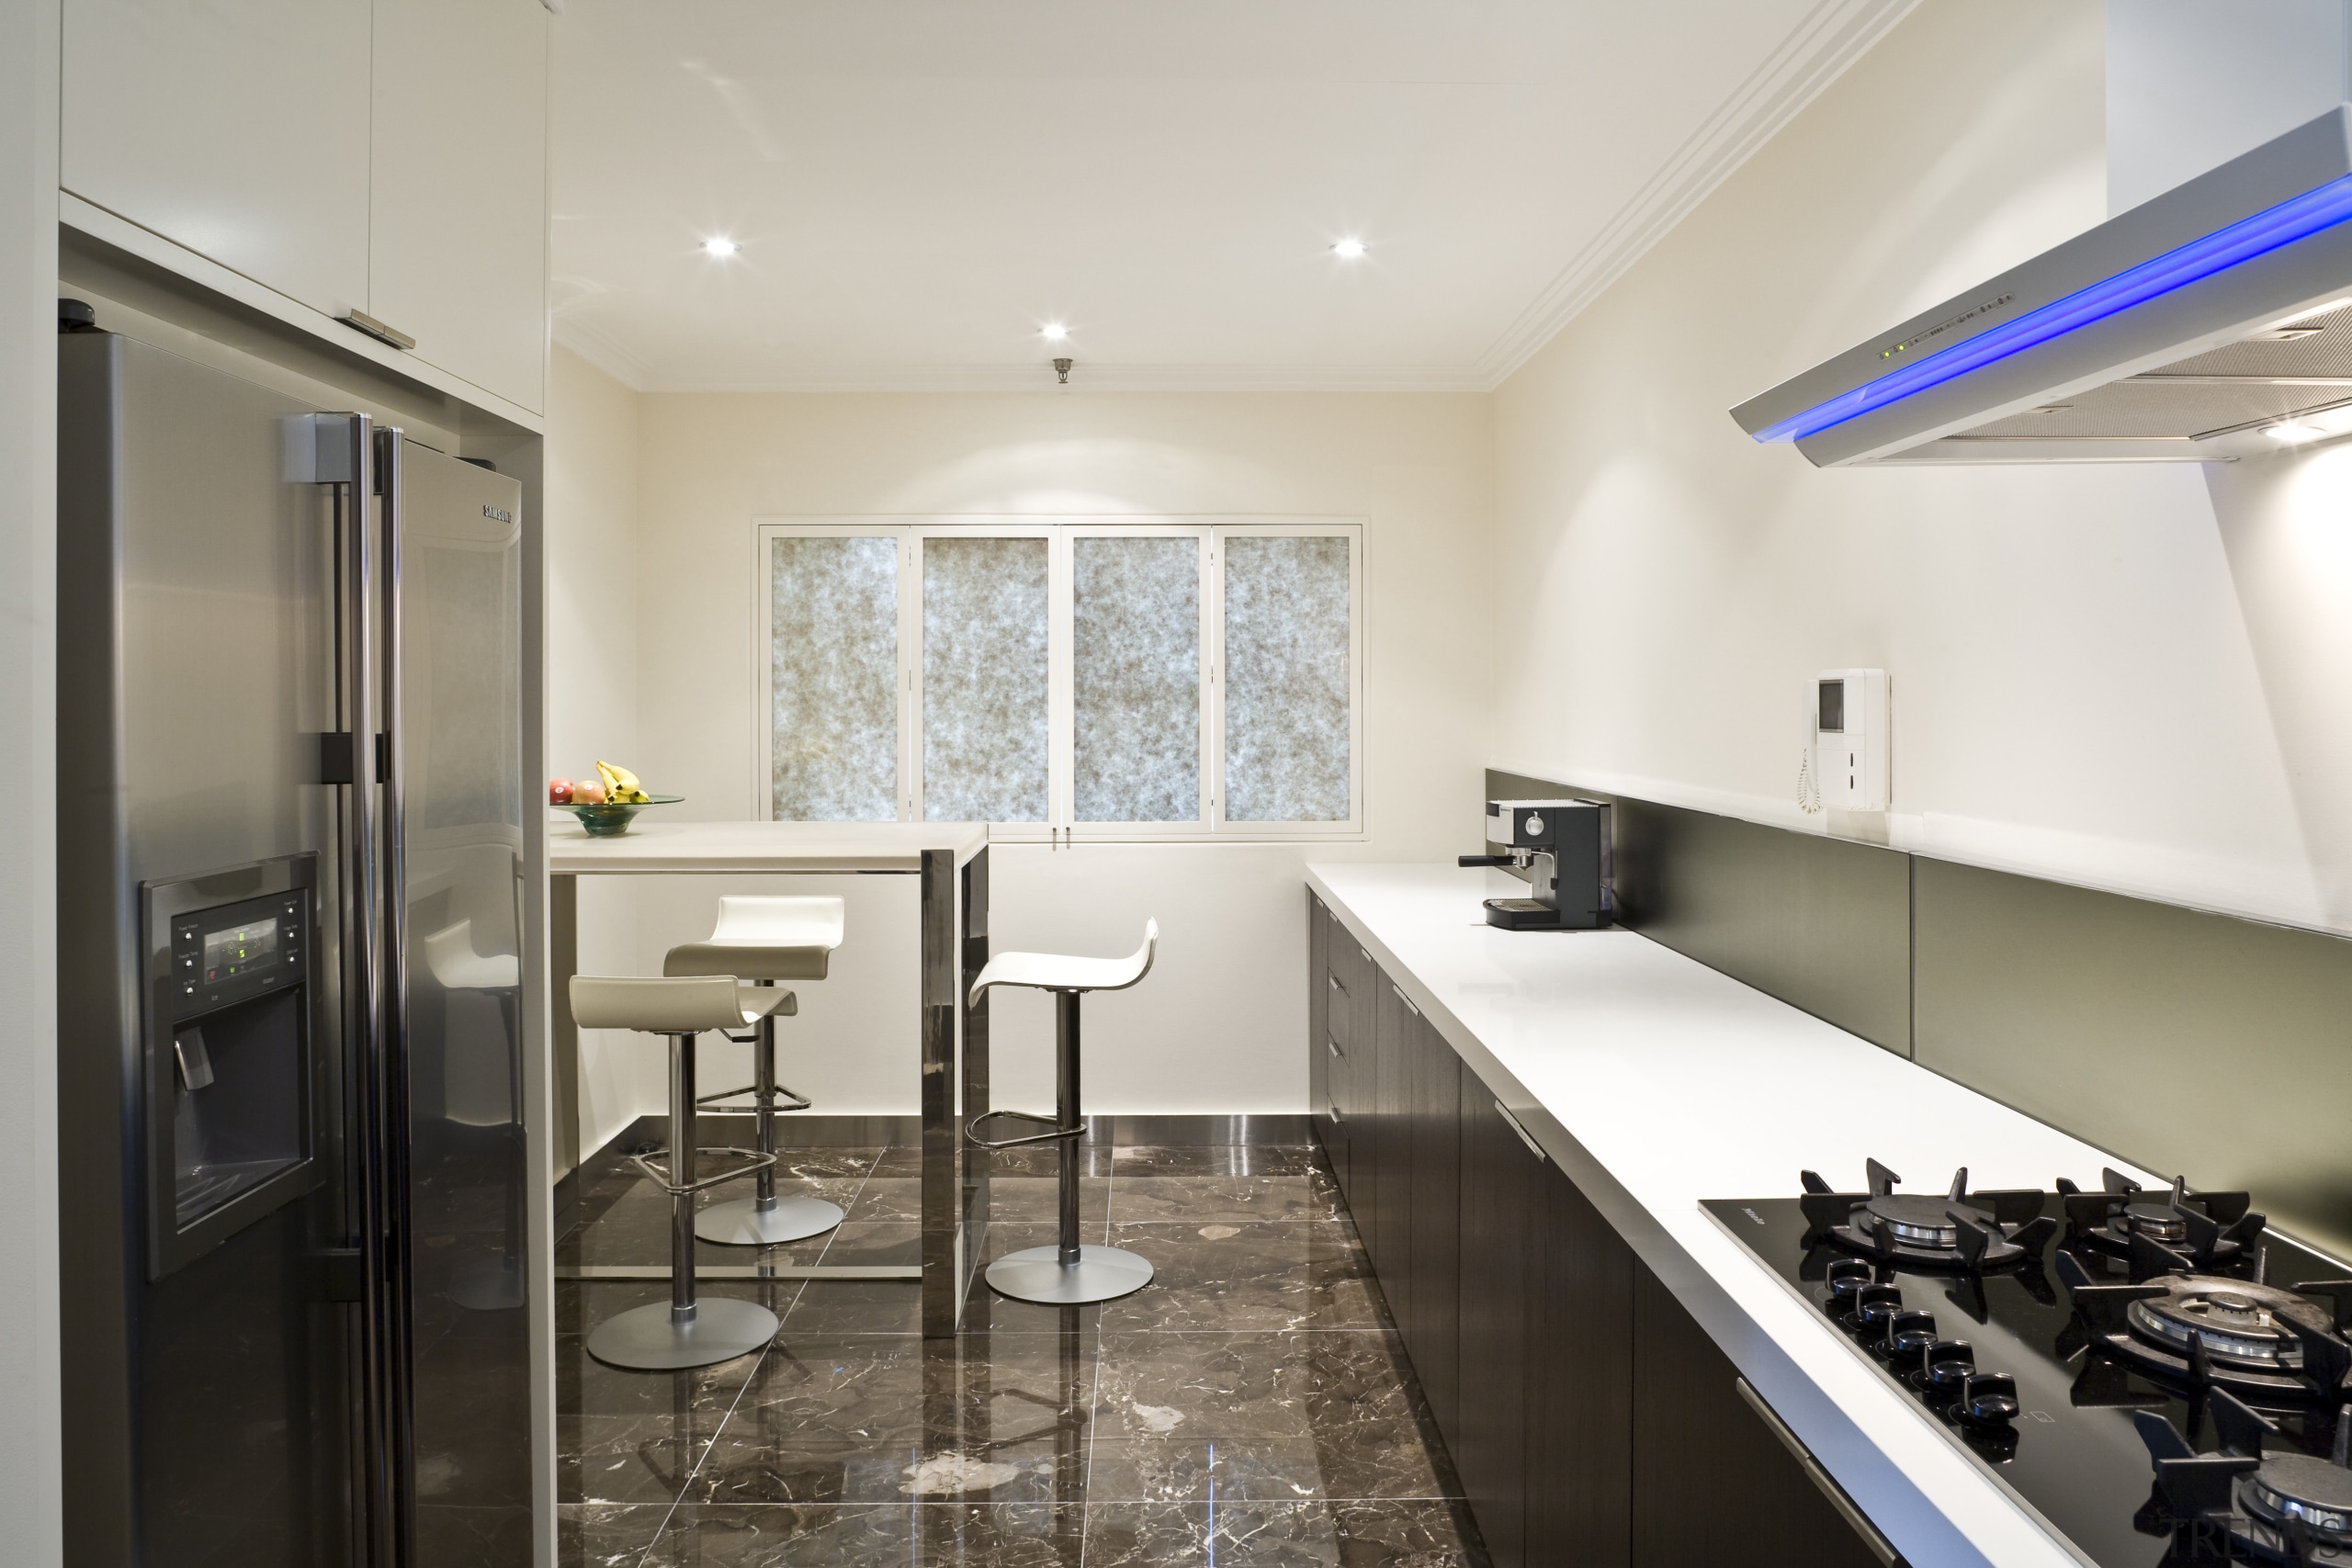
1656,1082
653,845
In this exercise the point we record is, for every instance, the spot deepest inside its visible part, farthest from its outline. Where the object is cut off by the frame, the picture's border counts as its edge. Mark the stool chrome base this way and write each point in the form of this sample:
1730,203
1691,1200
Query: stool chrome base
742,1222
1038,1274
644,1339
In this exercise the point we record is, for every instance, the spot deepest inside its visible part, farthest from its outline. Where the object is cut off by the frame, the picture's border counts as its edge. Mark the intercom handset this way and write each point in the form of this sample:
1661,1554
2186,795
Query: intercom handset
1846,765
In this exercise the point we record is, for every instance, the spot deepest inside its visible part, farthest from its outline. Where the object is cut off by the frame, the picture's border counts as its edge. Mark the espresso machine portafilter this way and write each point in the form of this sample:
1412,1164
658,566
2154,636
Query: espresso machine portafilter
1564,846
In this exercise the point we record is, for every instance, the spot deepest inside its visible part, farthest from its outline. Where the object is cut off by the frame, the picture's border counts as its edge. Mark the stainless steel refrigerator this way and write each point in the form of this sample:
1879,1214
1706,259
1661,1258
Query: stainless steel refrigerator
291,1137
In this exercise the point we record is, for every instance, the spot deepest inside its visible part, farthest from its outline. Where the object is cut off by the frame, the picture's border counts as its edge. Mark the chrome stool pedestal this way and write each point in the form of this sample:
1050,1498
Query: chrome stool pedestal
685,1331
1067,1273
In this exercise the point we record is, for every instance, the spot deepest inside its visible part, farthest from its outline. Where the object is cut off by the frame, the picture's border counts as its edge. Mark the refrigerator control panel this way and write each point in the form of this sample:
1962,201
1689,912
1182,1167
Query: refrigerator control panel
235,951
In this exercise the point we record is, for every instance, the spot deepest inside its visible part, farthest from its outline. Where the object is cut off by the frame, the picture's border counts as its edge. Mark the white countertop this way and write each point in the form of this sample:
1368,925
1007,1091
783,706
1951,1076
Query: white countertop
653,845
1656,1082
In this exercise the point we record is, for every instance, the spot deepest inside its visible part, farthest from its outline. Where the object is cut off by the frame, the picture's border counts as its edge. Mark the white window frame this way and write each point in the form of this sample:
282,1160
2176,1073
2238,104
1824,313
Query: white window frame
1060,531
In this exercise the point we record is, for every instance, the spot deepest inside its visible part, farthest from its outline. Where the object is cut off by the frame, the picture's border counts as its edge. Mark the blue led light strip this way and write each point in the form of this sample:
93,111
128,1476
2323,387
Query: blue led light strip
2297,218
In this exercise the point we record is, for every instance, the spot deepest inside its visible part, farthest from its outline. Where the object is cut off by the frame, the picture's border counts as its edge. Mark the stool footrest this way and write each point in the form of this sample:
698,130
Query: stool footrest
753,1162
972,1128
788,1100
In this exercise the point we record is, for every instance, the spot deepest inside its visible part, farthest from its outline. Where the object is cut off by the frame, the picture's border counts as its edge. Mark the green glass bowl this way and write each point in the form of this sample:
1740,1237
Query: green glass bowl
609,819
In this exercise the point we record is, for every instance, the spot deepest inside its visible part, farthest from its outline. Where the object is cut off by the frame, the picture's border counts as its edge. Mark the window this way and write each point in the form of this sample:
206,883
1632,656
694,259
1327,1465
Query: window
1107,680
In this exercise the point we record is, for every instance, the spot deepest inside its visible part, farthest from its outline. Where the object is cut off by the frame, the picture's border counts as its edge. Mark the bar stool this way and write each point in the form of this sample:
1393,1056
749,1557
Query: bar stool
685,1332
1065,1274
766,940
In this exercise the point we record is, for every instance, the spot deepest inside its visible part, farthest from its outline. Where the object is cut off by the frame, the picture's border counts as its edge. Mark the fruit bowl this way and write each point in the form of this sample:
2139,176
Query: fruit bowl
609,819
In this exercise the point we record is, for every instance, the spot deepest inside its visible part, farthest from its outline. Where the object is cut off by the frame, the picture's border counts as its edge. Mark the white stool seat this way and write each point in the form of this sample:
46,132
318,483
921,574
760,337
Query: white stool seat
1056,972
449,954
684,1331
1066,1273
764,938
679,1006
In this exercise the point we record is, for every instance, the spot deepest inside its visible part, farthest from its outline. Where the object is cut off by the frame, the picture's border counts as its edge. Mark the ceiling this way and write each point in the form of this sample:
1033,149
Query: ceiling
918,185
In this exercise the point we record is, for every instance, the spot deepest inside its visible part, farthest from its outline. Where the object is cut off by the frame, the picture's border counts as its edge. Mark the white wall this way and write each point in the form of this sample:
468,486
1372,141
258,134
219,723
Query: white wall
1216,1026
2076,691
592,467
2192,83
30,1520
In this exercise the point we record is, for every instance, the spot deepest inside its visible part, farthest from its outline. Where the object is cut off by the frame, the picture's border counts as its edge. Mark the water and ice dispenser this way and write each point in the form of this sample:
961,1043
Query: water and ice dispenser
229,1093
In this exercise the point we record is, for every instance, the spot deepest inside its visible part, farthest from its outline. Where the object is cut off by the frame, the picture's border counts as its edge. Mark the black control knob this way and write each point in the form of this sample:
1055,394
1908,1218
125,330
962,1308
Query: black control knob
1990,1399
1847,1277
1874,1308
1948,1364
1907,1334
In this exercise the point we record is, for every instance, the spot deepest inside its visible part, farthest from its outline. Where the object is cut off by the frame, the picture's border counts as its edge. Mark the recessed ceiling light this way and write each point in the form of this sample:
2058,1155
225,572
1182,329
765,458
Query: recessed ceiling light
1055,332
2289,430
1348,250
719,245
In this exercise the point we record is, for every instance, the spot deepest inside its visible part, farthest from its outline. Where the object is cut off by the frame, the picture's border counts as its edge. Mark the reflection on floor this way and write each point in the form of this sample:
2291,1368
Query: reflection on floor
1248,1407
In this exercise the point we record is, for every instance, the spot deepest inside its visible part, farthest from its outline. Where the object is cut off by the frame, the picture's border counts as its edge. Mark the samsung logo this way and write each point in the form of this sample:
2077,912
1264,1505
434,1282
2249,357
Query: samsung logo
495,515
1943,327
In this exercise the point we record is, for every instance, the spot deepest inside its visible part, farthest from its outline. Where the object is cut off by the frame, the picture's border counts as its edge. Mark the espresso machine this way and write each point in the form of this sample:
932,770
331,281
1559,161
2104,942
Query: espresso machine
1563,848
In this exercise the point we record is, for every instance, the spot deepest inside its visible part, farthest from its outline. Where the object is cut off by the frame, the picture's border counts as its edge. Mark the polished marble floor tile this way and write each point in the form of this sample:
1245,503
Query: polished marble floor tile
1250,1406
1213,1197
980,1535
1266,1274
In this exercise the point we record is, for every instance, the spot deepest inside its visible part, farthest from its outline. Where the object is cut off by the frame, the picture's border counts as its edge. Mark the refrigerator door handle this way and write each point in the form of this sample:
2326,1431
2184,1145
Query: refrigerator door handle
347,454
392,1054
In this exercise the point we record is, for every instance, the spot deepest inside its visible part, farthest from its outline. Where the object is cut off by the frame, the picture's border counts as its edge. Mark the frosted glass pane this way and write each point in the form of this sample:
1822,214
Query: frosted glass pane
1136,679
1286,693
835,674
984,680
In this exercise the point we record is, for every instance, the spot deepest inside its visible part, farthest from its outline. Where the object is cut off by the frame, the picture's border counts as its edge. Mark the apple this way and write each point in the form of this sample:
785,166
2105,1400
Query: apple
559,791
585,792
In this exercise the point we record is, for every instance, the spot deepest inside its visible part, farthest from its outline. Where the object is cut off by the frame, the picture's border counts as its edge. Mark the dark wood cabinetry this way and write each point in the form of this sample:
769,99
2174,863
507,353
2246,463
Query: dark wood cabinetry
1591,1420
1501,1185
1434,1335
1580,1495
1690,1420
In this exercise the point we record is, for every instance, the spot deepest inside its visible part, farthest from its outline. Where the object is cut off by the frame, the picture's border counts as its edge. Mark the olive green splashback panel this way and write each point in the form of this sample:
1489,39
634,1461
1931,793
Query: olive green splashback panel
1821,923
2189,1043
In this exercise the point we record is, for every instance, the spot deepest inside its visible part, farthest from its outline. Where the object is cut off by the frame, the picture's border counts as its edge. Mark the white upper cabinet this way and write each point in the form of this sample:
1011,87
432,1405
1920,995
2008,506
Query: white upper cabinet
382,156
458,157
235,127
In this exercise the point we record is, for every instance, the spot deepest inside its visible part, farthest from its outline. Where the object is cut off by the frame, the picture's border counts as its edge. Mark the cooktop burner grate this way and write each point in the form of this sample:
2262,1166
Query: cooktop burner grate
2041,1329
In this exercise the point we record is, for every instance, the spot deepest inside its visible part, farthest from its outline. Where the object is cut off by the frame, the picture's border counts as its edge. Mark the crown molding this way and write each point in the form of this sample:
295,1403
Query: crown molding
1084,376
603,351
1832,36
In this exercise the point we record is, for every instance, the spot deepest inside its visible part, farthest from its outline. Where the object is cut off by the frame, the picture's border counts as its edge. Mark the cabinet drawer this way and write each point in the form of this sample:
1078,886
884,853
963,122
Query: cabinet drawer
1341,1020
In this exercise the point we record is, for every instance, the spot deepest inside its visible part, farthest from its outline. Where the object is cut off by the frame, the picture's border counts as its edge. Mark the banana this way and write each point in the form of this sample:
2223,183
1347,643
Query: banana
621,786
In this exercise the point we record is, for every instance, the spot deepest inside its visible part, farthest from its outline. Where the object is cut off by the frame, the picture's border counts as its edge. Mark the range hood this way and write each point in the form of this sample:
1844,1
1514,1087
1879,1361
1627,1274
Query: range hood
2211,323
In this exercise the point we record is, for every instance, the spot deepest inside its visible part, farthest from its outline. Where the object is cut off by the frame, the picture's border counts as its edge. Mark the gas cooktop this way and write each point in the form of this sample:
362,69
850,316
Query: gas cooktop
2167,1385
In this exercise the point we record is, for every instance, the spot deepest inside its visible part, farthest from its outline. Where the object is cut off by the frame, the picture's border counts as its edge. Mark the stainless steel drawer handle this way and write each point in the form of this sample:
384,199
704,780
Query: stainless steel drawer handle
1333,1046
382,332
1403,998
1337,987
1333,1112
1513,1122
1879,1547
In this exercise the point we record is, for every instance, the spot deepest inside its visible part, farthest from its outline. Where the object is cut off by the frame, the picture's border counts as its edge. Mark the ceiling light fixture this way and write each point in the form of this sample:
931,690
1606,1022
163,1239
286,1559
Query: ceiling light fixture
719,245
1348,250
1055,332
2289,430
